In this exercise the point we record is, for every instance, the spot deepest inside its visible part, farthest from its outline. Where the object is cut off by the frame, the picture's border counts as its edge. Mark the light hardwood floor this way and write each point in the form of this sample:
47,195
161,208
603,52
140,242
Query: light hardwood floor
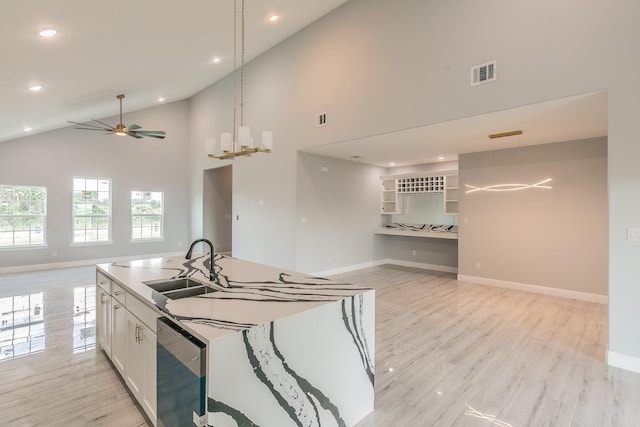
448,353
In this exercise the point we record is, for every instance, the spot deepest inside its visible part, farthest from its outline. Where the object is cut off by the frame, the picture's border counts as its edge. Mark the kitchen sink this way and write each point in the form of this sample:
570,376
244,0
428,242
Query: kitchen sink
179,288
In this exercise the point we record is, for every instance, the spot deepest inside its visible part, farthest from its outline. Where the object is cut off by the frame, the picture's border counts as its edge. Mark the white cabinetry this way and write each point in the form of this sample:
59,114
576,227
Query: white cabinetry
103,309
141,364
394,187
390,202
118,329
126,333
451,192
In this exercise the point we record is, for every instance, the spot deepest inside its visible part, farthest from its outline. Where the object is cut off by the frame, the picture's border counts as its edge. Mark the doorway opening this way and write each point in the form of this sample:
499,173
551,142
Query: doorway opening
217,203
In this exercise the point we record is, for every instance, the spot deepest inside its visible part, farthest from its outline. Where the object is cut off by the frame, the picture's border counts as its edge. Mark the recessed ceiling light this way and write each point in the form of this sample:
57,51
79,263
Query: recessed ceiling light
440,158
216,59
48,33
161,99
35,88
27,129
391,164
274,18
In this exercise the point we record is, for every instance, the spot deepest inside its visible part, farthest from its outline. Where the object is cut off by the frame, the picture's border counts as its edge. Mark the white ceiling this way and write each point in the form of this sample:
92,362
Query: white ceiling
567,119
143,48
152,48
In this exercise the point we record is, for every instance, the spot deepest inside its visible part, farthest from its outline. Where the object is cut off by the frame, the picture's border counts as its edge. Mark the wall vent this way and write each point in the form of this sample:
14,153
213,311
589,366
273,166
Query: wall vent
484,73
321,119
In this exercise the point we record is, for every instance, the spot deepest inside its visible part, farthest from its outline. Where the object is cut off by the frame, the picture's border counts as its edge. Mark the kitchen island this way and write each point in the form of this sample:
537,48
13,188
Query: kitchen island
282,348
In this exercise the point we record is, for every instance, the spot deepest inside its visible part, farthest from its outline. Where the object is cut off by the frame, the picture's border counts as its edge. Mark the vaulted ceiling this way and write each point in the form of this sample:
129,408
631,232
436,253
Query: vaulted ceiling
146,49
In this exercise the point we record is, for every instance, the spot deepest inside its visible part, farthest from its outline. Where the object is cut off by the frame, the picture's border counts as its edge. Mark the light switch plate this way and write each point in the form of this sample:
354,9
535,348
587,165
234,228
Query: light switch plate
633,234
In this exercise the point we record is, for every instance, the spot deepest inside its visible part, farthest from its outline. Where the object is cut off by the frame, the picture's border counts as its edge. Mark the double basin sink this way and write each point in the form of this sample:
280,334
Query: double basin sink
179,288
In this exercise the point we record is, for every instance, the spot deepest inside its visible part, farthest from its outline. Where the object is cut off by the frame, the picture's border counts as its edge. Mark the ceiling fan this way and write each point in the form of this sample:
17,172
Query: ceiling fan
120,129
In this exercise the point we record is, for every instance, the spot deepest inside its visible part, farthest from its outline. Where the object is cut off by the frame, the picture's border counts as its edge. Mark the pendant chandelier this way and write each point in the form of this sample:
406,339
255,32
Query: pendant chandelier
239,142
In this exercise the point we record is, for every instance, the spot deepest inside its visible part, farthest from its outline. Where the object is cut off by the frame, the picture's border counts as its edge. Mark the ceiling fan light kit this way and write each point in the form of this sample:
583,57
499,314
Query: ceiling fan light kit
120,129
240,142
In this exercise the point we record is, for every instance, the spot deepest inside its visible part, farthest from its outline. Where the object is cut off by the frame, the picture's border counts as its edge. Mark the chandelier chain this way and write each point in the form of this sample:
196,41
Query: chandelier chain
242,68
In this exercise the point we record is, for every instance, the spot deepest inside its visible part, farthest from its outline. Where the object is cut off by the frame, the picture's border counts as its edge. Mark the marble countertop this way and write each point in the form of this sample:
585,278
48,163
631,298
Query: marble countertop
419,230
248,294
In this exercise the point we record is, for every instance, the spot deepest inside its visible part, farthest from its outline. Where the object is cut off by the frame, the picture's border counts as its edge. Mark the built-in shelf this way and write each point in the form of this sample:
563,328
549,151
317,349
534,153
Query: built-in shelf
394,187
390,202
451,194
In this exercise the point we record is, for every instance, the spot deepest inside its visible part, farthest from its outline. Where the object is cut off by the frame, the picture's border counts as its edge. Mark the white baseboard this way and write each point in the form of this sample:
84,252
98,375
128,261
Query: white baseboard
623,361
563,293
422,265
348,268
79,263
354,267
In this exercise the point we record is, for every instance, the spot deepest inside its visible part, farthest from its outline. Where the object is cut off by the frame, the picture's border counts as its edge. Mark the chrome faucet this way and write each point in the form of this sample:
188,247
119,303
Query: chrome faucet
212,274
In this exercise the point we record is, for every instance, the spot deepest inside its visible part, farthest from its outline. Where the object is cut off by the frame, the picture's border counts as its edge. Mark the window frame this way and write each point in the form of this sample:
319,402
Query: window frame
99,218
135,215
30,217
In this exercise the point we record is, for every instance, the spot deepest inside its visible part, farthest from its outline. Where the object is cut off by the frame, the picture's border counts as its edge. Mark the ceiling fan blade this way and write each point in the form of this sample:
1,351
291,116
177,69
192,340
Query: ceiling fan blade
99,129
102,123
160,134
134,127
92,126
134,134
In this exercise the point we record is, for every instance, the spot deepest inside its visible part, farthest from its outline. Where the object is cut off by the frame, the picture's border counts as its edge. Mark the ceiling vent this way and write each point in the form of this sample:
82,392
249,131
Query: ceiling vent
484,73
321,119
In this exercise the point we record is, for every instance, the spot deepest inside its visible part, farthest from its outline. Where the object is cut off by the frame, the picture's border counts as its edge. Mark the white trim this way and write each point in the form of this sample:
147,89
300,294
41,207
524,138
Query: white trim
623,361
354,267
348,268
80,263
563,293
424,266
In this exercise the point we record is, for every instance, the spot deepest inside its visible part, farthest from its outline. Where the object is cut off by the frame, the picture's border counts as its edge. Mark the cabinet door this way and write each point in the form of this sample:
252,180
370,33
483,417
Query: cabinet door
149,398
119,336
134,376
103,307
141,367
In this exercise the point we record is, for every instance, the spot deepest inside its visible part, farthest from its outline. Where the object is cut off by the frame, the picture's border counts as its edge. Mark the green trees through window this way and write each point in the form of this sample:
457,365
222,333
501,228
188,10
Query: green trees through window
91,210
23,216
147,212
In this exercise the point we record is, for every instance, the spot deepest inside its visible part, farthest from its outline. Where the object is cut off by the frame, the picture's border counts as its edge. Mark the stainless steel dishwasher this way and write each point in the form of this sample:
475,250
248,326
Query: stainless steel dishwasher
181,376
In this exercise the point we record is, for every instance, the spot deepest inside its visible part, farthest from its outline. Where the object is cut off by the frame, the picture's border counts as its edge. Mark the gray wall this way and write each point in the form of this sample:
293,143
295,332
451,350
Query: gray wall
52,159
379,66
337,212
554,238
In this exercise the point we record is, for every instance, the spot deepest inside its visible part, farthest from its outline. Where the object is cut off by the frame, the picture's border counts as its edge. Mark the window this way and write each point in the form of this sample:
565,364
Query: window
23,216
147,215
91,210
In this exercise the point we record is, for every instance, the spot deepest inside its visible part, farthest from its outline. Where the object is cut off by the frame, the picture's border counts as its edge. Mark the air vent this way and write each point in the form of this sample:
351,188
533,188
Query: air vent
321,119
484,73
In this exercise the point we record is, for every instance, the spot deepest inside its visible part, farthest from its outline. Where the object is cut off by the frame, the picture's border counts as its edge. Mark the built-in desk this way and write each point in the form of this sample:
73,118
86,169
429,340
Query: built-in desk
424,230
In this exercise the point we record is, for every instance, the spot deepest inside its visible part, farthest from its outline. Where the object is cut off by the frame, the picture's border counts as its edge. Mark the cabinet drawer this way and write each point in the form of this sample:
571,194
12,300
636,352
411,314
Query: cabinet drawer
103,282
143,312
119,293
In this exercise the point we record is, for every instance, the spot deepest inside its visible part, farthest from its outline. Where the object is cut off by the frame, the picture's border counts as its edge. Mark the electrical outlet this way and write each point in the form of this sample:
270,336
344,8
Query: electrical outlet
478,266
54,253
413,252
